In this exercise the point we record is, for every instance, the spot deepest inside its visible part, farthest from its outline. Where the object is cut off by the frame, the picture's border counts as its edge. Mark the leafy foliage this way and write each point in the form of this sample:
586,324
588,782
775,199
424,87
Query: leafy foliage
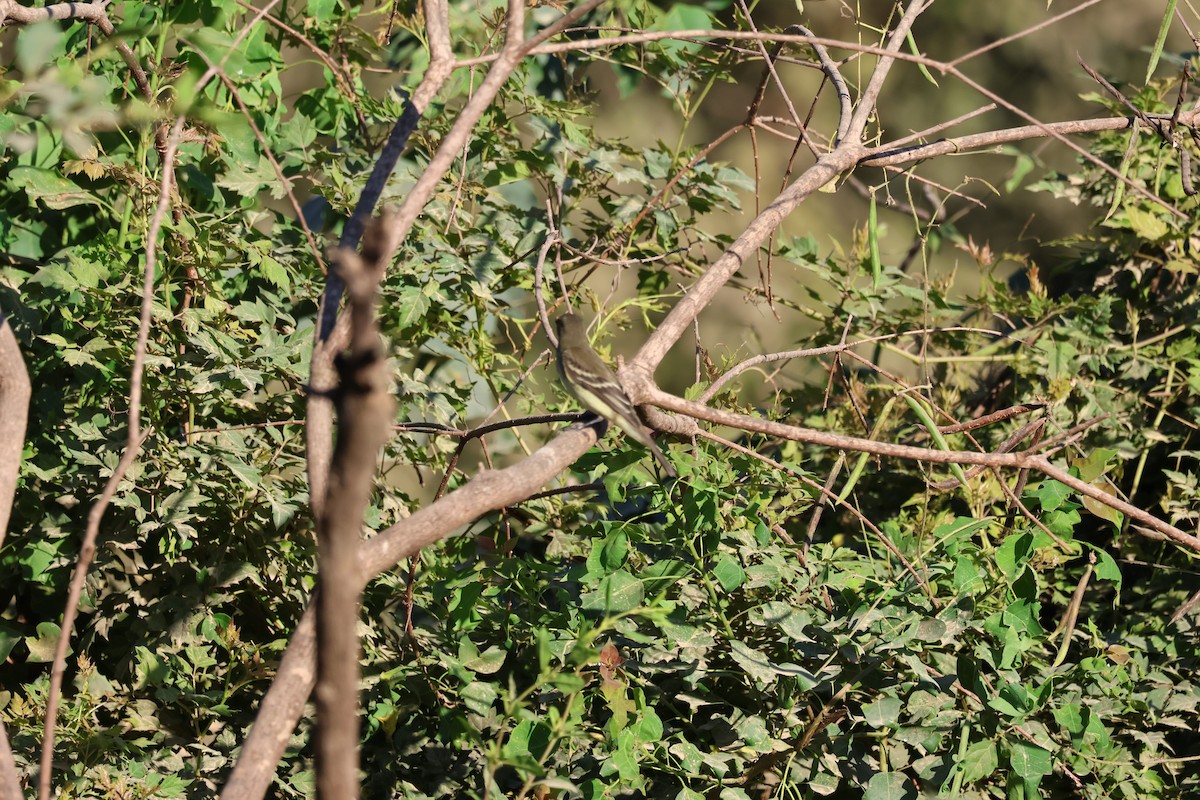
697,639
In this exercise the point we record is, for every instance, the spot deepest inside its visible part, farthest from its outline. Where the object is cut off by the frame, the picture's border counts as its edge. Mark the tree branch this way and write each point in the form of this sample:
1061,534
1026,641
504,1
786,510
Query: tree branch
328,340
133,444
487,491
365,412
838,441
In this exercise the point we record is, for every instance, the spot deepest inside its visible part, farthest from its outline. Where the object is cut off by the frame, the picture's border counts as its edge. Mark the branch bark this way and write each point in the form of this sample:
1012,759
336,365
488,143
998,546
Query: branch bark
329,339
10,785
15,392
838,441
133,444
488,491
365,412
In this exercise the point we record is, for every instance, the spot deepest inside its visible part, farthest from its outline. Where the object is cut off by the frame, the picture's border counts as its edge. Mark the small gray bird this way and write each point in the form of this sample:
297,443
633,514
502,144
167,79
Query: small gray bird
595,386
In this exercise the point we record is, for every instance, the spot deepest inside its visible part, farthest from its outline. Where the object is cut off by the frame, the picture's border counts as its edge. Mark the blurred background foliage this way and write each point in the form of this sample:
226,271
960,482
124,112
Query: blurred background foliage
710,638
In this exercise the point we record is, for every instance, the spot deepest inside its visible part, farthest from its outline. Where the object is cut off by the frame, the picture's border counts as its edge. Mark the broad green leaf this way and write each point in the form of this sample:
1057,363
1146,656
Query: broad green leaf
883,713
488,662
321,10
38,45
616,593
1146,224
980,761
728,572
1029,761
650,727
50,188
755,664
614,550
9,637
41,648
889,786
479,696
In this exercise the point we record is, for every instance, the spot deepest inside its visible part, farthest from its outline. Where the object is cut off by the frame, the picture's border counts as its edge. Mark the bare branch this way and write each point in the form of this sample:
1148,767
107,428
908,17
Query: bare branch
133,443
869,99
889,155
487,491
840,442
10,785
365,412
277,715
15,391
328,339
766,358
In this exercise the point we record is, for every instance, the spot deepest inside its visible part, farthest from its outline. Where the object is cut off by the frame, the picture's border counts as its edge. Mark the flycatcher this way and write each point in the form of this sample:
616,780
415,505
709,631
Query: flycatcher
595,386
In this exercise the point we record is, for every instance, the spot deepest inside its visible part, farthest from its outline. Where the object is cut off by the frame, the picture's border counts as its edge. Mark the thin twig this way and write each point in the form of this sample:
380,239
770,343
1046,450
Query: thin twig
133,443
798,433
841,347
879,534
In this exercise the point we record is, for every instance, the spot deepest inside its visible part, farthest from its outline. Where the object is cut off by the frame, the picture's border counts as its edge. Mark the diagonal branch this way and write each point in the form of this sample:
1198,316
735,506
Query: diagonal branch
514,51
329,340
15,391
1020,460
869,99
283,704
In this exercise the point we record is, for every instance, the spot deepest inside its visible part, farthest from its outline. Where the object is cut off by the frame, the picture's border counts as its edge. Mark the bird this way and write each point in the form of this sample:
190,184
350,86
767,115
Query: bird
594,385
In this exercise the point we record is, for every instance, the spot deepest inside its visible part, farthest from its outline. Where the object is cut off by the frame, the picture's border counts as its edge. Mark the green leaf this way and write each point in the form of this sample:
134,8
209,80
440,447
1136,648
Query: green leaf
218,48
728,572
528,738
488,662
37,559
1013,555
649,729
883,713
38,45
41,647
248,474
889,786
1160,40
682,17
754,663
412,304
614,550
9,637
617,593
980,761
1070,717
479,697
321,10
167,785
52,189
1029,761
1146,224
1107,568
968,576
690,757
275,272
1051,494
